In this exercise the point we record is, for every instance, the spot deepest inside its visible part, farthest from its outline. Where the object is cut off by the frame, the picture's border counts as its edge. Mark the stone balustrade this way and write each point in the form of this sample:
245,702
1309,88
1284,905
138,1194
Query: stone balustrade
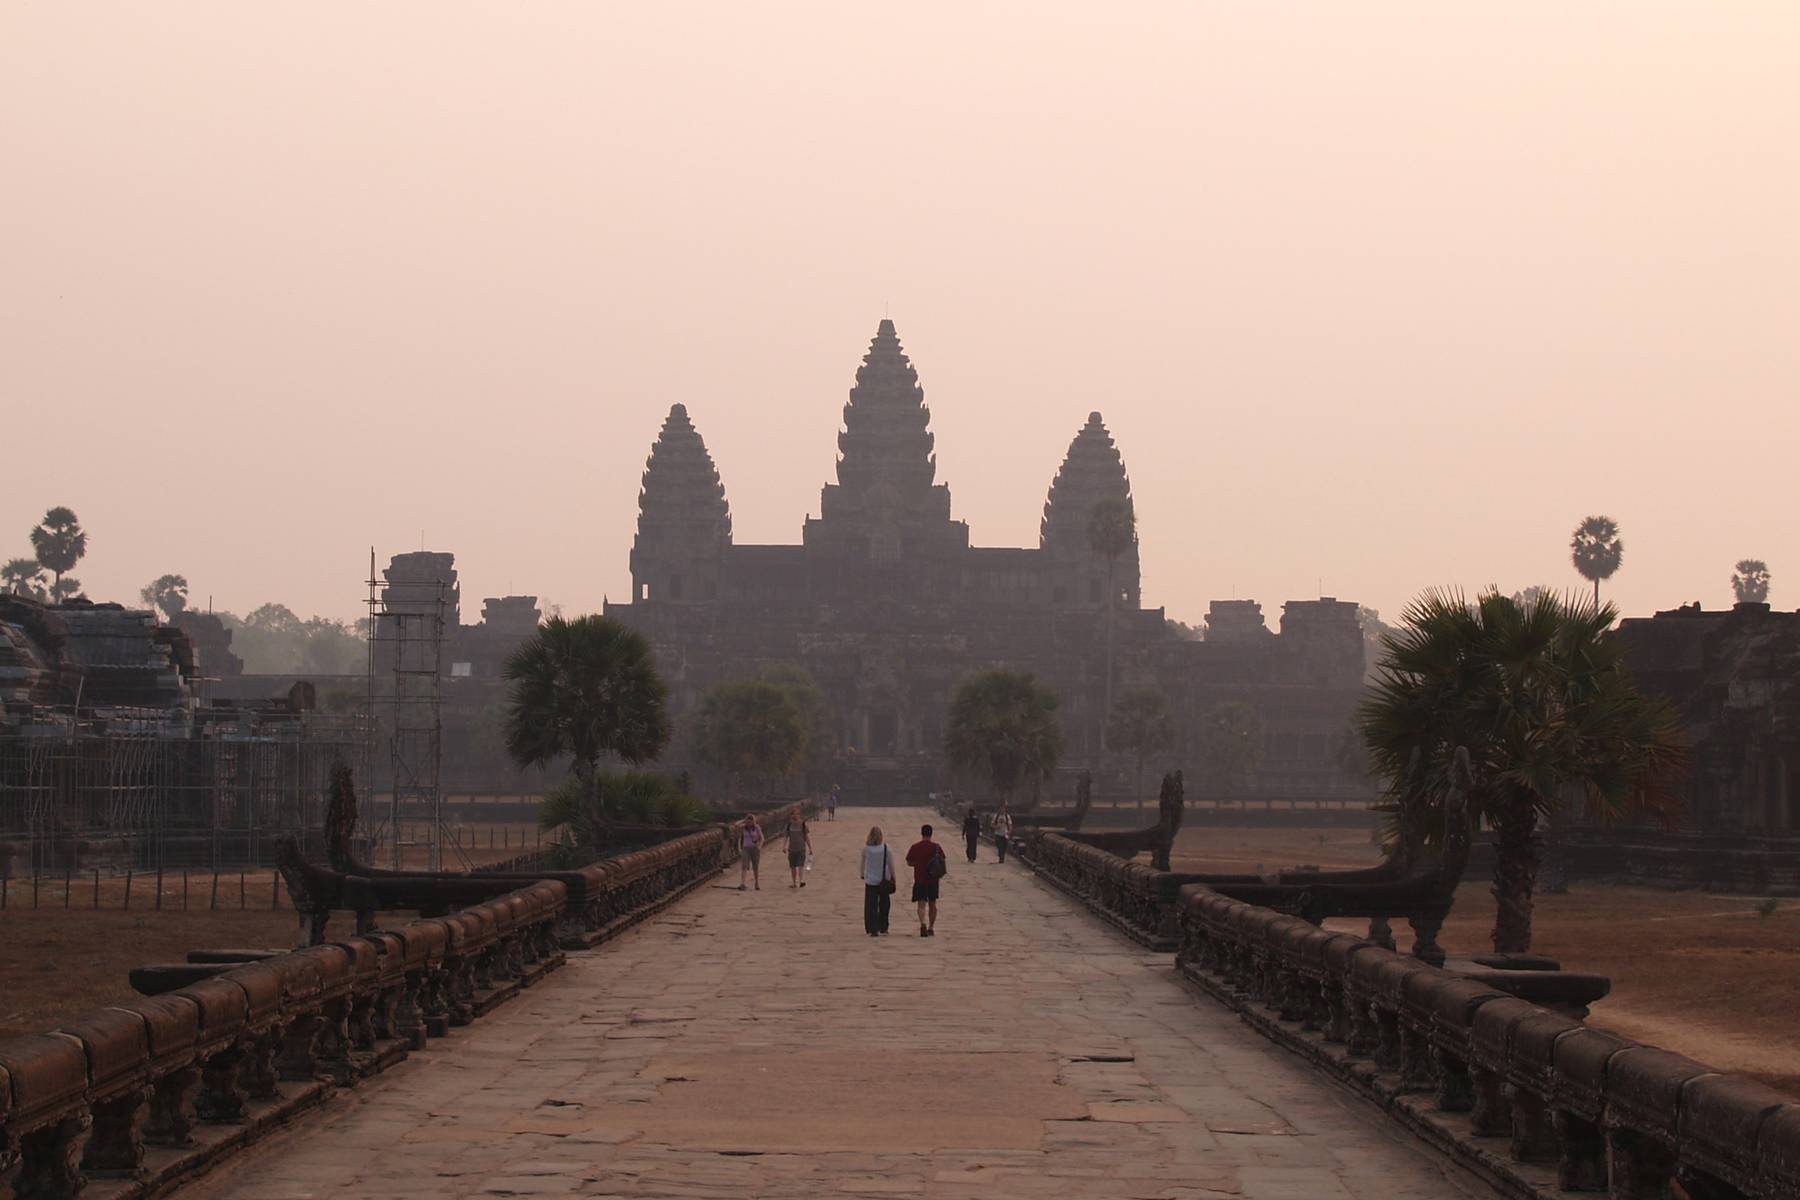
141,1095
1533,1101
1142,902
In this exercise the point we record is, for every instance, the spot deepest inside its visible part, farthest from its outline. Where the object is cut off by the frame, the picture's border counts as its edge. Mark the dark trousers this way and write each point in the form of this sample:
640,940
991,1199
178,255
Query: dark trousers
876,904
1000,844
971,838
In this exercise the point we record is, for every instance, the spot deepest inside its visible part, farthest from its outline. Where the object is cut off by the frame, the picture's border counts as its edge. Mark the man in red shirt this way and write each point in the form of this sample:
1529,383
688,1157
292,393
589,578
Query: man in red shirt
927,861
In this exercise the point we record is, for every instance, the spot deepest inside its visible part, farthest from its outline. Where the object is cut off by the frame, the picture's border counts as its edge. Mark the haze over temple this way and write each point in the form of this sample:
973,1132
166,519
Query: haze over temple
887,604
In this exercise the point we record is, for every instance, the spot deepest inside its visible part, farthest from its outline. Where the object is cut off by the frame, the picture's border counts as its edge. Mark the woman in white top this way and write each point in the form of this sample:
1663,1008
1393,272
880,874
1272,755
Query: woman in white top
878,884
1002,830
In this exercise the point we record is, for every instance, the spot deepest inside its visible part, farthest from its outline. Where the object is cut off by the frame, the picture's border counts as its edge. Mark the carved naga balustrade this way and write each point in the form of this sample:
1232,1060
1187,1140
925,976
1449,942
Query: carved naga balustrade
1546,1102
149,1092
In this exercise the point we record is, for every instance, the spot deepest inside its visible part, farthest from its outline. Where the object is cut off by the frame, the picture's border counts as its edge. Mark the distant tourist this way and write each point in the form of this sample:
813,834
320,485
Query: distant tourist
878,884
799,848
750,856
1001,828
831,800
926,858
972,831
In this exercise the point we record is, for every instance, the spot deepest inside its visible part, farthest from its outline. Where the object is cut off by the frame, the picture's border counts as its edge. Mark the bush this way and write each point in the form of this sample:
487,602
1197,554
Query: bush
626,798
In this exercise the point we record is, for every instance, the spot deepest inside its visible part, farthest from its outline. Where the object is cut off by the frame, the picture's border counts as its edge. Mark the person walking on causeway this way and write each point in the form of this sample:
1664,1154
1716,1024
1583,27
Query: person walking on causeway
878,884
799,848
750,842
1001,827
972,832
926,858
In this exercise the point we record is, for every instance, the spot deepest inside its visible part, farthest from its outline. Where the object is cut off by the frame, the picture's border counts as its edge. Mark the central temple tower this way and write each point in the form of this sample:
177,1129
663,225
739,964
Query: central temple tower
887,506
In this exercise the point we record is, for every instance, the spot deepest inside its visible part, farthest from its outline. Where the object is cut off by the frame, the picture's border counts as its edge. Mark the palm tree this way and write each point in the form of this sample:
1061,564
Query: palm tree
1539,695
1140,723
754,728
1112,532
1597,550
59,542
1004,724
24,577
167,594
1750,582
584,688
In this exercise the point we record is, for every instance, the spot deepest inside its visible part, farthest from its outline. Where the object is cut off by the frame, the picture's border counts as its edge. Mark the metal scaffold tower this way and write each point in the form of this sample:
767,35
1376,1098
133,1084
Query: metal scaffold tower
407,621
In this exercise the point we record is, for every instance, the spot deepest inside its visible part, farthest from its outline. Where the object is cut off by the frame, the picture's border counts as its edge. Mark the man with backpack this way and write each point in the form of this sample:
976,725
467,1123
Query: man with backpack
926,858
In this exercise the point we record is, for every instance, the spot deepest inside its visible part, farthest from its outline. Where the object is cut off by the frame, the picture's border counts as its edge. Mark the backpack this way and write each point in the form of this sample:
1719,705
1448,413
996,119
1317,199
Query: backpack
937,868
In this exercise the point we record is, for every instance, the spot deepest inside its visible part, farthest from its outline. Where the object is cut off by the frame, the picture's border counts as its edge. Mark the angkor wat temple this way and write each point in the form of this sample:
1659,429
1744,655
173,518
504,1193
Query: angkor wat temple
887,604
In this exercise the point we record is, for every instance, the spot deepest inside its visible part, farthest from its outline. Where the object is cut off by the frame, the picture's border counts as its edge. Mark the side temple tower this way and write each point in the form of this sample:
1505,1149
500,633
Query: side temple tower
684,524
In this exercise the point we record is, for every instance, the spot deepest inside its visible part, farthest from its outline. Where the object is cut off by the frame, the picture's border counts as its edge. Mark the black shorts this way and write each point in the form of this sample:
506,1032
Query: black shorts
796,859
925,891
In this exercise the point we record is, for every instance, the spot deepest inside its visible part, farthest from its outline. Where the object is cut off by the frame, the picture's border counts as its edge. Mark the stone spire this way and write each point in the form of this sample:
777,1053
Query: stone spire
1092,471
886,499
684,523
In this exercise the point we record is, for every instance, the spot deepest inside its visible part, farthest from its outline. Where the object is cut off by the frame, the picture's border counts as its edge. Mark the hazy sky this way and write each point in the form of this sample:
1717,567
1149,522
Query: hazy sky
1373,296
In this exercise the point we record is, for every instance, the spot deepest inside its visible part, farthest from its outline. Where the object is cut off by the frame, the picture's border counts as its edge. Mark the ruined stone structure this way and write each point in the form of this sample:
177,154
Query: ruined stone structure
111,753
1734,678
887,604
101,656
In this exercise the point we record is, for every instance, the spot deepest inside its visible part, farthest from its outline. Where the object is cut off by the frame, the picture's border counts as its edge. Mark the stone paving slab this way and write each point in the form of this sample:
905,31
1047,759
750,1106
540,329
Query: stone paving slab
759,1044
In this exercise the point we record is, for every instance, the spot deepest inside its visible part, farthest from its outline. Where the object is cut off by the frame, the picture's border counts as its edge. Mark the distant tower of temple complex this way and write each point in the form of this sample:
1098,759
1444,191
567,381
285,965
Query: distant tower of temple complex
684,524
1092,471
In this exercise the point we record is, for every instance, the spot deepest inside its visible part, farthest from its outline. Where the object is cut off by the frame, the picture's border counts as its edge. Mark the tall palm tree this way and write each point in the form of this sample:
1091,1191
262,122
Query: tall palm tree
1112,532
1003,723
1596,550
1539,695
582,689
59,542
1750,582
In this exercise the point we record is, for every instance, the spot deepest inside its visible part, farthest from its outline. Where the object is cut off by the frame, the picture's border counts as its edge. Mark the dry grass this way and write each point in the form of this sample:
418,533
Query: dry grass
57,961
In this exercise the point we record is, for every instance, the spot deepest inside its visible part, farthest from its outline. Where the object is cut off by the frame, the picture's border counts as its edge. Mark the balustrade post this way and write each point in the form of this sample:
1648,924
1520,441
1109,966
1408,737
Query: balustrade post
1534,1134
1418,1066
222,1097
1387,1038
115,1147
1642,1166
1365,1032
331,1048
1582,1166
1455,1082
171,1119
409,1022
1490,1106
50,1159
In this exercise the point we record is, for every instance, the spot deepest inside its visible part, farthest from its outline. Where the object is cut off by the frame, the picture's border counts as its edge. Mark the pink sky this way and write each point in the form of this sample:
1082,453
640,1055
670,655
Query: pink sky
1374,297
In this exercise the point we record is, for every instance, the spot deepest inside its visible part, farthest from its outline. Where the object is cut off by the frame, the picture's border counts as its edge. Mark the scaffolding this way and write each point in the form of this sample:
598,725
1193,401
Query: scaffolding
408,623
123,789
